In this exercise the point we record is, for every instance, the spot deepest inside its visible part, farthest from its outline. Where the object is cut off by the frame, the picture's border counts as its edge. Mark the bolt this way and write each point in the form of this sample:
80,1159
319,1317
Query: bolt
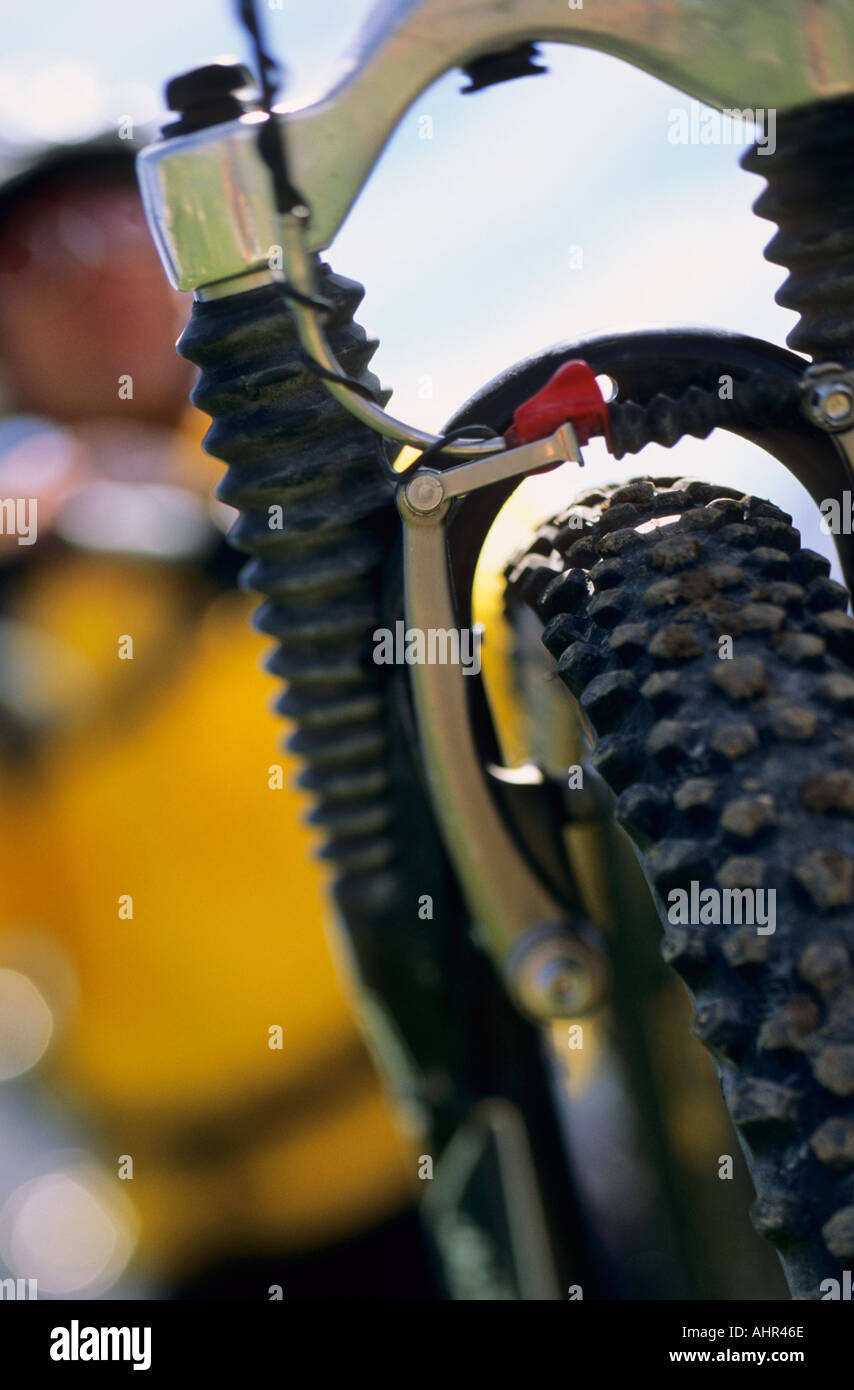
838,406
564,987
553,976
208,96
425,492
829,400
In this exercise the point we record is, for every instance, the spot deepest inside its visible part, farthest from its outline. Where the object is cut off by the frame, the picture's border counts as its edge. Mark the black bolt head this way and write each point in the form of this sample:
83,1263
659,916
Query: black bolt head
208,96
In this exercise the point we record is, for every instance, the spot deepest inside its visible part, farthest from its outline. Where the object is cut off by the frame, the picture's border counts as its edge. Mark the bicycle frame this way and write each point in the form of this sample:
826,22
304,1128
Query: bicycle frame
208,199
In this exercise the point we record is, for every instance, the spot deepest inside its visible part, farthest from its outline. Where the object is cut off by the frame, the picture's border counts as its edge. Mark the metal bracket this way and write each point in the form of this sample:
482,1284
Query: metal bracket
551,968
427,491
207,193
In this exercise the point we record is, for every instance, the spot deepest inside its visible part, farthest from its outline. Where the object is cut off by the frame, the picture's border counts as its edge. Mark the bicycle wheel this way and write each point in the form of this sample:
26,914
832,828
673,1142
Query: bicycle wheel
710,658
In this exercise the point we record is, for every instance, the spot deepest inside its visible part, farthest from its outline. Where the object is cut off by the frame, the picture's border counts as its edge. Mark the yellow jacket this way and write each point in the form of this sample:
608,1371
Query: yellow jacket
157,784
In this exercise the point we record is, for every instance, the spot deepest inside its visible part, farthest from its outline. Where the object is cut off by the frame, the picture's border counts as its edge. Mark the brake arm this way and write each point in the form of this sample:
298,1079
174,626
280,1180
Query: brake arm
551,967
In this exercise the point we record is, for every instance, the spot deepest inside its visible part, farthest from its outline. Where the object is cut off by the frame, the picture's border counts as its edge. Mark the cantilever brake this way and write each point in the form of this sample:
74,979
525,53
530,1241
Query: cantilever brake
551,967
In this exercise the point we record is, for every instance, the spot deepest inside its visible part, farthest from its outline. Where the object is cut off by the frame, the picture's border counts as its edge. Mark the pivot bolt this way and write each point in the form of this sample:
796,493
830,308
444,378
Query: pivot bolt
828,397
552,975
425,492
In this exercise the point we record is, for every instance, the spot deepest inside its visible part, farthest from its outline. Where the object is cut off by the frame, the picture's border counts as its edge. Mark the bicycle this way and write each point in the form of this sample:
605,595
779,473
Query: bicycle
708,655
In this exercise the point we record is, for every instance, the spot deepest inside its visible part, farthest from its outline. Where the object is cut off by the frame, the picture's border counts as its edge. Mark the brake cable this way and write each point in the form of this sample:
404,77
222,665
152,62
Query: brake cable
307,307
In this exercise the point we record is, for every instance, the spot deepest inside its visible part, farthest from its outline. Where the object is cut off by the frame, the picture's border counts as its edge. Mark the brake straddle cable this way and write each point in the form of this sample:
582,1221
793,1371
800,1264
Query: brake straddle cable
308,307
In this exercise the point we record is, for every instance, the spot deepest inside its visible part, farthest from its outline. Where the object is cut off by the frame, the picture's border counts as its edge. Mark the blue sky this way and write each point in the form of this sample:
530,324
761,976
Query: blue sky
468,243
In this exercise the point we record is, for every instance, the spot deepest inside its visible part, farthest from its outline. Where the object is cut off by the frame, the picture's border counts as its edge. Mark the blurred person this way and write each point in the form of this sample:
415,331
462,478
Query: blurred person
139,832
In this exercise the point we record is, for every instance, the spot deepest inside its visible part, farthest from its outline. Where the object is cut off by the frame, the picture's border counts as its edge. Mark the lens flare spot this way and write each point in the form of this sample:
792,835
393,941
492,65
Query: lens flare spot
26,1024
69,1230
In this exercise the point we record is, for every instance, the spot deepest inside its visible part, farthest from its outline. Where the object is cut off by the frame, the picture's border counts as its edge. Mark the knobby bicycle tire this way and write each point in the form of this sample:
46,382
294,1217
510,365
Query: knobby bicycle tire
733,768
